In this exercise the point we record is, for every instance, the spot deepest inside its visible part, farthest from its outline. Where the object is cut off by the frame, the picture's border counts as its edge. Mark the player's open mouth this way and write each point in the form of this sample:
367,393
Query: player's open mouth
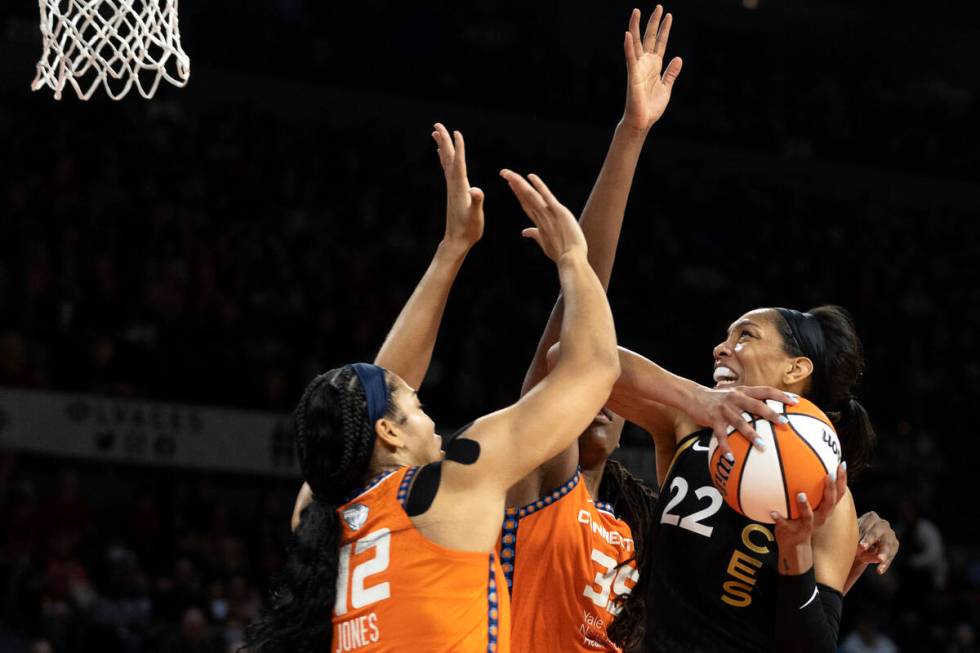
604,416
724,377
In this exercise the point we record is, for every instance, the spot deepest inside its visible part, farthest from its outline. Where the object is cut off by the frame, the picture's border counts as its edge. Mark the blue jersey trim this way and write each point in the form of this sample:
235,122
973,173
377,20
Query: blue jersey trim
508,533
493,610
406,484
373,483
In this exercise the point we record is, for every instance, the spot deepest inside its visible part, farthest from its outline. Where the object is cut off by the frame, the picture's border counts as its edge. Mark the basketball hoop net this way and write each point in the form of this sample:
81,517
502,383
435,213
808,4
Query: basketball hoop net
110,42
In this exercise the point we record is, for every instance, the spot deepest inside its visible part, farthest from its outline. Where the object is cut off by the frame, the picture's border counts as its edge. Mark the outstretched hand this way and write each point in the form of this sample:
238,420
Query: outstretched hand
555,228
464,203
648,85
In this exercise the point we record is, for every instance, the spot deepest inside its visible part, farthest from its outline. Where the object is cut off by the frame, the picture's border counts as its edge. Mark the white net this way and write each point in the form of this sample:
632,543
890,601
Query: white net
113,43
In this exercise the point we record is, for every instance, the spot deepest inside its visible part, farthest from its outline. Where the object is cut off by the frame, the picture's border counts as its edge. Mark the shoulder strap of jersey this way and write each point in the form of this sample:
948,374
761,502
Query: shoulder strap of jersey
686,443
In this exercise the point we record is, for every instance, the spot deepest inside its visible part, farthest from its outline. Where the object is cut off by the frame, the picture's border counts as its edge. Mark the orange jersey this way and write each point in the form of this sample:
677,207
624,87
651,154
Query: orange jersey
563,557
398,591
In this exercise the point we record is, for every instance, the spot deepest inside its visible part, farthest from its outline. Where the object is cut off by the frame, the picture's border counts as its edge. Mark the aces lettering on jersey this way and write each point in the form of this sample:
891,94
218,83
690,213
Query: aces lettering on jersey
362,586
743,566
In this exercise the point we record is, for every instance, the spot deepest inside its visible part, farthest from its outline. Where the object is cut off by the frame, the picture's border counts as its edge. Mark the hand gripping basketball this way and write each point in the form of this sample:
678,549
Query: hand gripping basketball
555,228
801,454
727,411
792,532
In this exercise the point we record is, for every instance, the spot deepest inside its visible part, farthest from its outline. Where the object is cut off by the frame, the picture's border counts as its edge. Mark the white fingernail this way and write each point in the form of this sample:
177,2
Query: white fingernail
729,457
759,443
801,497
843,465
774,514
783,419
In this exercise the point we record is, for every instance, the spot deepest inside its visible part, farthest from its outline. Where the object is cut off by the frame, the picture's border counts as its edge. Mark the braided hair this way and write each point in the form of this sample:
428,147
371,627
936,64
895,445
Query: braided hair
334,441
634,501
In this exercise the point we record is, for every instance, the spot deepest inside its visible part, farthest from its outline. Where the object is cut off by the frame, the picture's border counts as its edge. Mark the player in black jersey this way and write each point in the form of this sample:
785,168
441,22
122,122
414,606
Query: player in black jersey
671,408
717,580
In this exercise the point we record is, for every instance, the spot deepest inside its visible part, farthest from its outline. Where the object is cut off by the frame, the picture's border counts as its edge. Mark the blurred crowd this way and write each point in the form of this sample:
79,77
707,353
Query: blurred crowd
224,253
176,564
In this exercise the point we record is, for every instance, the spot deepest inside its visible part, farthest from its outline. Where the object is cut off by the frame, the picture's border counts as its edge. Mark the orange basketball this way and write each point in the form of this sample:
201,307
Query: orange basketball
797,458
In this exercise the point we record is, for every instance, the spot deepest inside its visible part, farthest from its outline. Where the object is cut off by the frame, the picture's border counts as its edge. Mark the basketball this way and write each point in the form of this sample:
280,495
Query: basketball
798,456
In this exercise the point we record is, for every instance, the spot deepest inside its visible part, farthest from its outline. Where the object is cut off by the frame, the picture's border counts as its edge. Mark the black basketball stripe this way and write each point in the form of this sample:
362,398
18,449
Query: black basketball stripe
741,477
782,471
809,416
807,443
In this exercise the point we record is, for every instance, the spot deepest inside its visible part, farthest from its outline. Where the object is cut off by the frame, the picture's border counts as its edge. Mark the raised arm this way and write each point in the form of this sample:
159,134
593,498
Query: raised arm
648,89
407,350
515,440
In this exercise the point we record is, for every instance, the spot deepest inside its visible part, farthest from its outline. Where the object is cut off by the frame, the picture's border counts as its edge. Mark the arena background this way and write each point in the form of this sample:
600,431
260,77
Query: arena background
172,272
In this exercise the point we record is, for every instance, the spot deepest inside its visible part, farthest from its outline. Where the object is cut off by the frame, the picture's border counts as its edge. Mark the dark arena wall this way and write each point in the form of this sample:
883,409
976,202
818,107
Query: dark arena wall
174,271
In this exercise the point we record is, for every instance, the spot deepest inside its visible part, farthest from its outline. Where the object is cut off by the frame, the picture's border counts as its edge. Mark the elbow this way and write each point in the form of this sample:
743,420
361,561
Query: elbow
552,356
606,365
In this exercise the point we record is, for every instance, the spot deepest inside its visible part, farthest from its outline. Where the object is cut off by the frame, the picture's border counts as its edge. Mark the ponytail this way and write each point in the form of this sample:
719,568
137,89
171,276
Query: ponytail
334,441
297,617
857,435
827,336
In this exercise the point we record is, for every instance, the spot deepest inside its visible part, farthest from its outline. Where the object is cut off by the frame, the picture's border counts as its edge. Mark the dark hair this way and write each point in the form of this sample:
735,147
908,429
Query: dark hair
634,501
837,369
334,441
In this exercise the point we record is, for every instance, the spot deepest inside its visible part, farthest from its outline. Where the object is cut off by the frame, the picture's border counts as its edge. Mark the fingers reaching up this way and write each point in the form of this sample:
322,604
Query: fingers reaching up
555,228
649,84
464,203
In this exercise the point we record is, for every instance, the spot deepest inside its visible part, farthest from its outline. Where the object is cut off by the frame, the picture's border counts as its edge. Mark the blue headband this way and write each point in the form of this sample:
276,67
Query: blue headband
375,388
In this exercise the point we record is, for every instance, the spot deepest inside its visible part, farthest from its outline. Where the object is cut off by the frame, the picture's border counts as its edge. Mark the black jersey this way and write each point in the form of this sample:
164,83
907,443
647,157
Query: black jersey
713,581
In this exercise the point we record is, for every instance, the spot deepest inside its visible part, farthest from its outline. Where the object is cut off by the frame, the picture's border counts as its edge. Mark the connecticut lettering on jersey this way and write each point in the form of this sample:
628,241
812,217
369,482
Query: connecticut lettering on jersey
570,562
615,538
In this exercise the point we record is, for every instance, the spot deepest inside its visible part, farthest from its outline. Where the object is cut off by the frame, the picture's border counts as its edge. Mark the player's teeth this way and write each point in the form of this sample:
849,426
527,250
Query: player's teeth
723,374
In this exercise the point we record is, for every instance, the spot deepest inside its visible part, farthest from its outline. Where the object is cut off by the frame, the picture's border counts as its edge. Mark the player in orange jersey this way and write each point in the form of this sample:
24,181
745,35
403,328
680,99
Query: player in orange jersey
398,543
557,532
